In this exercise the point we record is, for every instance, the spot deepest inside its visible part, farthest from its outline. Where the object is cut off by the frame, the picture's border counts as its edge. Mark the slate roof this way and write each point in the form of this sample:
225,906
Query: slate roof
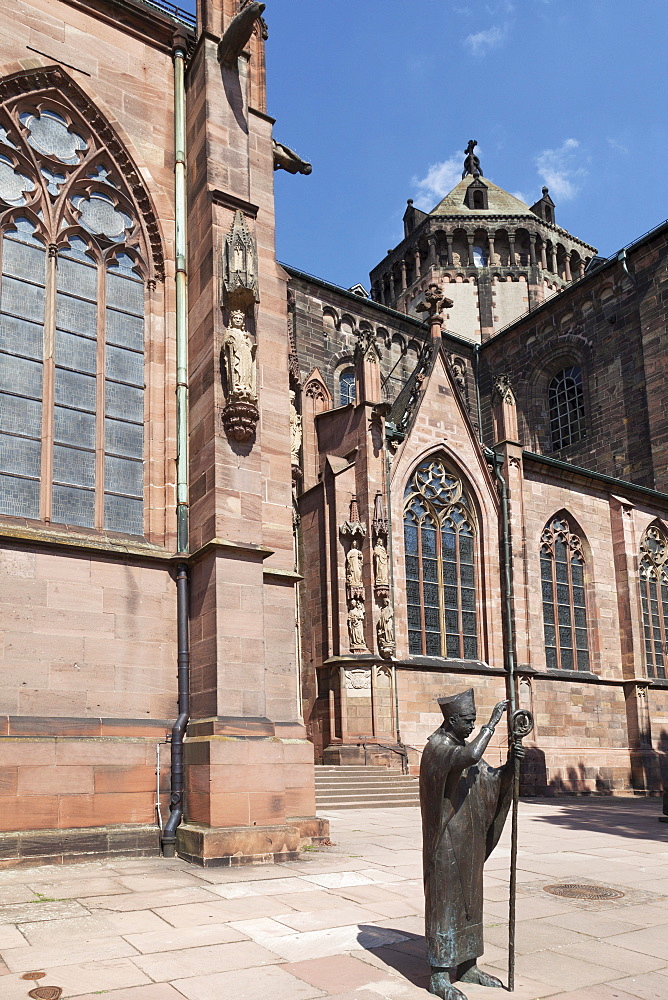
500,202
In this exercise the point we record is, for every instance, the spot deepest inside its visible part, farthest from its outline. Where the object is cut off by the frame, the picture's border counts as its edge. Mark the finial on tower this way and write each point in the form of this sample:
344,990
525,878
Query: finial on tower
471,163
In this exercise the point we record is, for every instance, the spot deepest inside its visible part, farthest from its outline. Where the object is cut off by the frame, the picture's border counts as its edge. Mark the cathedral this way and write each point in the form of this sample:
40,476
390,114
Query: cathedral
278,519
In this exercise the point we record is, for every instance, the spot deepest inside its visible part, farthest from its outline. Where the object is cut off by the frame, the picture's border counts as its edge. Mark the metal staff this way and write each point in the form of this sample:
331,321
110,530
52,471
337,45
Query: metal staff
521,724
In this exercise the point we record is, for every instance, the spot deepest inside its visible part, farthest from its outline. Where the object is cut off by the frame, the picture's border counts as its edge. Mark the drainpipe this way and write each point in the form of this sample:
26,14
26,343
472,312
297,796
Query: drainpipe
388,501
179,53
182,596
496,460
179,727
476,367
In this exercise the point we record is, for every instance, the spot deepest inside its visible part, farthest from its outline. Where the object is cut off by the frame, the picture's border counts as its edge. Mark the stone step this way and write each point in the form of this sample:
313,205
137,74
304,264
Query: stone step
360,787
346,793
370,804
380,786
349,772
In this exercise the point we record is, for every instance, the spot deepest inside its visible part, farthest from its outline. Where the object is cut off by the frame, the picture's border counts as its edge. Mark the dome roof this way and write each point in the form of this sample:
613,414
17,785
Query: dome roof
500,202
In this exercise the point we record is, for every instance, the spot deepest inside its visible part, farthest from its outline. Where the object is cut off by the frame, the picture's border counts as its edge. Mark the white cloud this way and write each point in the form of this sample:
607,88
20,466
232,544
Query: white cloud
559,169
618,146
481,43
438,181
521,196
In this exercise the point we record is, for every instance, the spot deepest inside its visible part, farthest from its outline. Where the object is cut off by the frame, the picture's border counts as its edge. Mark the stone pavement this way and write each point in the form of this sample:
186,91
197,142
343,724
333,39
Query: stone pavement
346,922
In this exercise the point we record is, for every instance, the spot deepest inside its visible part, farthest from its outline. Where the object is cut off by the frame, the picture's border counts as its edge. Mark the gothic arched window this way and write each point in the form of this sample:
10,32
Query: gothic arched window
347,386
567,409
439,537
564,606
654,595
71,324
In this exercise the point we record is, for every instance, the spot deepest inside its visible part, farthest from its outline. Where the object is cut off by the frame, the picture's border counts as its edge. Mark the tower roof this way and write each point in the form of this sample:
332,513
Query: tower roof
499,202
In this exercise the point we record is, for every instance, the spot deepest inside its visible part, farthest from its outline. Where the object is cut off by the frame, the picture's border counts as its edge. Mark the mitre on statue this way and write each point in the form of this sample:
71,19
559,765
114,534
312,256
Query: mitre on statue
458,704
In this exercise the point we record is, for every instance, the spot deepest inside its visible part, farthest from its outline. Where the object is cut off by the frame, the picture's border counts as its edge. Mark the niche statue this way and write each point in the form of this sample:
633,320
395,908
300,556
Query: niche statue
464,805
241,413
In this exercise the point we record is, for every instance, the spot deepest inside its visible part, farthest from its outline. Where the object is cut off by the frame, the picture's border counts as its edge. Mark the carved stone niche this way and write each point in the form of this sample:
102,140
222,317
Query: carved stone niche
353,532
240,284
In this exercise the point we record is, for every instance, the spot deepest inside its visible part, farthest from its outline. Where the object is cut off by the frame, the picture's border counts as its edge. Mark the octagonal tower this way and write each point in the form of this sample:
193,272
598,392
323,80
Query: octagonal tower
496,257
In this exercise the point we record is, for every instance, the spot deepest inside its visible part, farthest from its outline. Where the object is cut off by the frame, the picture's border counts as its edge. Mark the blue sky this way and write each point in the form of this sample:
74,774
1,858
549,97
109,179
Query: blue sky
382,98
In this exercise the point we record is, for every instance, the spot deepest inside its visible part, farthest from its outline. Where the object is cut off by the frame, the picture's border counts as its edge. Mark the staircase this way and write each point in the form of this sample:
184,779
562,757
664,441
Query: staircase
352,787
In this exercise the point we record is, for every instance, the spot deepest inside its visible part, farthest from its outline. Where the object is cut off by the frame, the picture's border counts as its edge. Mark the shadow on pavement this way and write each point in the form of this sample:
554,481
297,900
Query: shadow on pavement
635,818
408,957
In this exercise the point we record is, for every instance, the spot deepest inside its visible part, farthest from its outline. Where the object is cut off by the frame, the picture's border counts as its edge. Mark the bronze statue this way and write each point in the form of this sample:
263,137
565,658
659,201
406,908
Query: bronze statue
464,805
472,162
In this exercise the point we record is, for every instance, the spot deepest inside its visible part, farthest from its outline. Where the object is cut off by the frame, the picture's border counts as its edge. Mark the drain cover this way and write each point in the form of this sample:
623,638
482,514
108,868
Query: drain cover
573,890
46,993
33,975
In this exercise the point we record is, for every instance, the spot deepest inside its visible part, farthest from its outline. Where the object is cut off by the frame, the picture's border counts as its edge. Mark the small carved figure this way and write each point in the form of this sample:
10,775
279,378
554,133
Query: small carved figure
286,159
385,629
238,33
354,561
295,430
464,805
239,360
471,163
380,563
356,624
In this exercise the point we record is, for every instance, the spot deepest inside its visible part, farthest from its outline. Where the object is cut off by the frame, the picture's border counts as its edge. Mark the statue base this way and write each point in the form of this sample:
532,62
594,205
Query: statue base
240,420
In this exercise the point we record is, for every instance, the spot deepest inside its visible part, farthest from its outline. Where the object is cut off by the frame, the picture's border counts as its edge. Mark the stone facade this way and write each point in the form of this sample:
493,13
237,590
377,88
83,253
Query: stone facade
314,415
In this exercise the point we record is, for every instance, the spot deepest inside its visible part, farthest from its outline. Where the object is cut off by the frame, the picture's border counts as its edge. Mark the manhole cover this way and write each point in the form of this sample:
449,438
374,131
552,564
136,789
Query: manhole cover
33,975
573,890
46,993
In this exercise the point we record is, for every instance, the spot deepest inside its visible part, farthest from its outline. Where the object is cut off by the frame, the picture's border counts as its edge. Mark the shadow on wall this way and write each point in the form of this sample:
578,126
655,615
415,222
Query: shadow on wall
651,772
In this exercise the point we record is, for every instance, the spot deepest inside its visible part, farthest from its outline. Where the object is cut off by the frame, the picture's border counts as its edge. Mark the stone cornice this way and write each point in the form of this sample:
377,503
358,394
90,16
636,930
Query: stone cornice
47,537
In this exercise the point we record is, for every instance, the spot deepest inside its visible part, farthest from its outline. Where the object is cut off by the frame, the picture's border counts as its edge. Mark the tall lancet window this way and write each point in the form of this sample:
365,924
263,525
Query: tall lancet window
564,606
440,541
72,293
654,596
567,408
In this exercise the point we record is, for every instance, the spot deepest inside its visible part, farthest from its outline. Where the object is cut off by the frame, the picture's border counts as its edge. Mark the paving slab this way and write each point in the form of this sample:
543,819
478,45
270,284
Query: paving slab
651,986
251,984
345,922
185,962
336,973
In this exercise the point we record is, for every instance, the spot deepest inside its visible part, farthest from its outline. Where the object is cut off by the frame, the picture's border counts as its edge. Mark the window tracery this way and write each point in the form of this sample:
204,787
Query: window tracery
564,605
567,409
654,597
72,305
440,540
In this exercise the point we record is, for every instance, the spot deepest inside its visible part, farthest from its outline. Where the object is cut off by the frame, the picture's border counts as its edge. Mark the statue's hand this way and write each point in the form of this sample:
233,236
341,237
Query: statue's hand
497,714
517,750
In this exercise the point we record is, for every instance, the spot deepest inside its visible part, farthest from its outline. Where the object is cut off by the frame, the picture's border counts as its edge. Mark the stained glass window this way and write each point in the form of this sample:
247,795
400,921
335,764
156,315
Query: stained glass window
21,369
654,597
347,387
564,604
71,332
567,409
440,542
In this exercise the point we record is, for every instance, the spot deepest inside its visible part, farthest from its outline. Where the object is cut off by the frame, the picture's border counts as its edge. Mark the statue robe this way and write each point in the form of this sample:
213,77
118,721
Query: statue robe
463,812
